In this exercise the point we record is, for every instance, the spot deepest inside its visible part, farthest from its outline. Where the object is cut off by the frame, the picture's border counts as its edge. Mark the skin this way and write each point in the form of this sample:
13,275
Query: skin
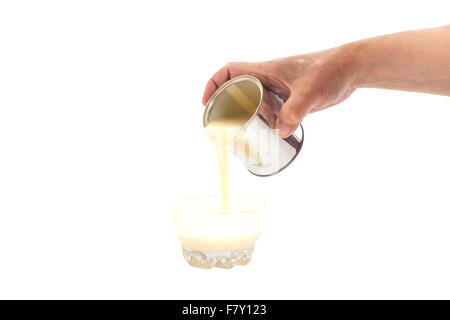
416,61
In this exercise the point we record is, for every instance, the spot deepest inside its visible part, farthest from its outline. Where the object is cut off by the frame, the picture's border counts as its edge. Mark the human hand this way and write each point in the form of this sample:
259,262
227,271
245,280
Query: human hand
306,83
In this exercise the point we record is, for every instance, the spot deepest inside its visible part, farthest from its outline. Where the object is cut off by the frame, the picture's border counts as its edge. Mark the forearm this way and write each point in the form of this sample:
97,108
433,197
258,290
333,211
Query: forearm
411,61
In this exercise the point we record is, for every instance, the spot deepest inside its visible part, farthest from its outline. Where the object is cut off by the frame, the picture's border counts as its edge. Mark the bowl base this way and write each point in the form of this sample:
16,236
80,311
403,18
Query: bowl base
218,259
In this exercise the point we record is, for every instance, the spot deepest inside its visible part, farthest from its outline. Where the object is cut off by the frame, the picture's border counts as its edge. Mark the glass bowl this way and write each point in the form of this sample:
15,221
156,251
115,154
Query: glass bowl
210,238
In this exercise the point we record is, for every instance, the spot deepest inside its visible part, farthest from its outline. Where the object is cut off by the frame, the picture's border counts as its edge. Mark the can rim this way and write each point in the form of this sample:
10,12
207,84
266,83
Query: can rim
225,85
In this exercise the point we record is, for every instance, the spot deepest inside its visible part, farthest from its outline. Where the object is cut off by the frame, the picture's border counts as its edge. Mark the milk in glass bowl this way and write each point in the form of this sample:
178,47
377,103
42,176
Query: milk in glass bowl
210,237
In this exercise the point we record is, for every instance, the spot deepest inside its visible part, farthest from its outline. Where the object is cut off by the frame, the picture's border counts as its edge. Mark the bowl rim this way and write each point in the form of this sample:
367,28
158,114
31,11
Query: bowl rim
261,205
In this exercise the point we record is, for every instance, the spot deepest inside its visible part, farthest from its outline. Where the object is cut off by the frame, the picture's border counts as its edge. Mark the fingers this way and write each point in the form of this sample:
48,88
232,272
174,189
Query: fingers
293,111
219,78
211,86
270,106
232,70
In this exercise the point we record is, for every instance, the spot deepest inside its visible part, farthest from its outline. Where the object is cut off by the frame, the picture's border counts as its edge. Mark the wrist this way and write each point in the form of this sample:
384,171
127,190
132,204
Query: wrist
356,59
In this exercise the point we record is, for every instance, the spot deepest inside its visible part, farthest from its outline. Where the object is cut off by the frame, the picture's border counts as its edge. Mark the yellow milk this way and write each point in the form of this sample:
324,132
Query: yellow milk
223,135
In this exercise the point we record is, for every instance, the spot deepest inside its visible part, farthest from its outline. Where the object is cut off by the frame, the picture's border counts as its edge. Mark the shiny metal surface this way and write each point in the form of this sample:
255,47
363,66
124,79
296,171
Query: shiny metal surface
245,98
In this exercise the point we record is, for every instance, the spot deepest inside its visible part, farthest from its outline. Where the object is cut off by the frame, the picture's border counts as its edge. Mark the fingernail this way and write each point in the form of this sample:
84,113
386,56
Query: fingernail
283,131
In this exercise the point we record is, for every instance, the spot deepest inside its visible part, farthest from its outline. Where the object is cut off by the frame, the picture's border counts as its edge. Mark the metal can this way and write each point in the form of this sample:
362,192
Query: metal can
246,95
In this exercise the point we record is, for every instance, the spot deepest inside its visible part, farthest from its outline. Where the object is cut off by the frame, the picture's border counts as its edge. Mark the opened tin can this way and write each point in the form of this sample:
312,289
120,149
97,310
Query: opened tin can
245,95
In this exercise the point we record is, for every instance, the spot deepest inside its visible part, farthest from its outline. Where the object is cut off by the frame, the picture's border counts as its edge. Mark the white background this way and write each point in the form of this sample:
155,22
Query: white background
101,127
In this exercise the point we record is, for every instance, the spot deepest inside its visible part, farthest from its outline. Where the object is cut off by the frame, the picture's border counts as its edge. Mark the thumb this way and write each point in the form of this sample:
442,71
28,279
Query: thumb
292,112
